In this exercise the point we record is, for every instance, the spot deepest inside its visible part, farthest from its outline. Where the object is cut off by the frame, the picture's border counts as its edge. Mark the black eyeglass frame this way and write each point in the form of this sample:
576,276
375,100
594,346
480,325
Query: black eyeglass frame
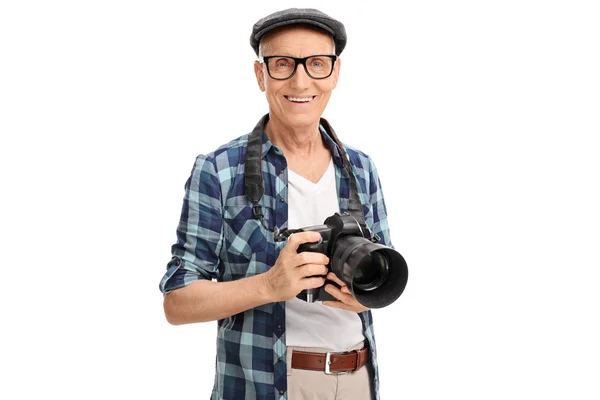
298,61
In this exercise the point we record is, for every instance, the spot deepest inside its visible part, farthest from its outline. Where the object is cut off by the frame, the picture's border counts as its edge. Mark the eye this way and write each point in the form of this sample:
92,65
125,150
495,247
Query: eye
282,62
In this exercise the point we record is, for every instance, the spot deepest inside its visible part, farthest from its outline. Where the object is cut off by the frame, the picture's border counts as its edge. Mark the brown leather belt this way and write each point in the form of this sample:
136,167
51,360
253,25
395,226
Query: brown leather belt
331,362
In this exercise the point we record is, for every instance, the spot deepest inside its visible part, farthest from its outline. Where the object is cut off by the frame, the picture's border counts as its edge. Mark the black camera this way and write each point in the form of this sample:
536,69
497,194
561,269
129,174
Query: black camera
375,274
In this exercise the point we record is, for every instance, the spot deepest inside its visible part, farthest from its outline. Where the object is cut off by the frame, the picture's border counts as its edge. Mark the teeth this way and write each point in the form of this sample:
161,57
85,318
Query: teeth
300,99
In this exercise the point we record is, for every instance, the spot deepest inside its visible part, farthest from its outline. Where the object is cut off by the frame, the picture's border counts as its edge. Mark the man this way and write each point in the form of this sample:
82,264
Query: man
227,265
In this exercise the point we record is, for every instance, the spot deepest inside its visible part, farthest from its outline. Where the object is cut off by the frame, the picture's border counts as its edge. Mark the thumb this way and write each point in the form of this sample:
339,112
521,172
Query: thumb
296,239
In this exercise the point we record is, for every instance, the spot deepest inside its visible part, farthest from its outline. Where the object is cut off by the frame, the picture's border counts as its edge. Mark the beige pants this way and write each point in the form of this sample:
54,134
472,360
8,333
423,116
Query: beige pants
317,385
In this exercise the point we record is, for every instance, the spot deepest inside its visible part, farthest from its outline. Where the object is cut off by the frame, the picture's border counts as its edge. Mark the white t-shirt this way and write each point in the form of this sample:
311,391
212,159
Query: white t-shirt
313,324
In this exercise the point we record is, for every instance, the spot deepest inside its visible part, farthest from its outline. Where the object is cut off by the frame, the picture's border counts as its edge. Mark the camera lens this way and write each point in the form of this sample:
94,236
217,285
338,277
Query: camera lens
375,274
371,272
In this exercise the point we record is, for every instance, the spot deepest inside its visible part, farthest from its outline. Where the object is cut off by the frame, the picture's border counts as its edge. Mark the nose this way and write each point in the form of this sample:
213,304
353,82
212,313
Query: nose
300,79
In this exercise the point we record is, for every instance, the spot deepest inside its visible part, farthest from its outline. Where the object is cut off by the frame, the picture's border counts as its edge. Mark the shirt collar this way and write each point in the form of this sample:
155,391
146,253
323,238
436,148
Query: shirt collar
267,145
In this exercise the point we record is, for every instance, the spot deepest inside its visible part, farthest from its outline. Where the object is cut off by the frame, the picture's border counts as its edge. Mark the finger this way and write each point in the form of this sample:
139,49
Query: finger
309,257
313,269
337,293
333,277
296,239
313,282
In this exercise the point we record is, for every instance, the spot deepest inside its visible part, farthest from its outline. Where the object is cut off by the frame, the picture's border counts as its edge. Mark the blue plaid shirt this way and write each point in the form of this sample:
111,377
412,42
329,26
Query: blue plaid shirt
218,238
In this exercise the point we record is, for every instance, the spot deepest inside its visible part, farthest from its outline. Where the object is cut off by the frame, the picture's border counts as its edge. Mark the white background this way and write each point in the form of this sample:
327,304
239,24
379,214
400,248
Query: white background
482,118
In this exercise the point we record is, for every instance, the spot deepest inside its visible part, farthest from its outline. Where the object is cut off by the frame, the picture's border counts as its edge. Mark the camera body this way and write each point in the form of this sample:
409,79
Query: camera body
329,232
376,275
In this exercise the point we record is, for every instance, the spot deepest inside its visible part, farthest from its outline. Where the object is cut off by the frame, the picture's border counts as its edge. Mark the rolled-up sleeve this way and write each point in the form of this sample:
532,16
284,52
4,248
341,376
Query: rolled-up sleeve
380,222
195,255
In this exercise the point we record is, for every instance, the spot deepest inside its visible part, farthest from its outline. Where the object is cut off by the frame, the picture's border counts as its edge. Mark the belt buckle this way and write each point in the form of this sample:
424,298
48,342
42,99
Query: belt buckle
328,364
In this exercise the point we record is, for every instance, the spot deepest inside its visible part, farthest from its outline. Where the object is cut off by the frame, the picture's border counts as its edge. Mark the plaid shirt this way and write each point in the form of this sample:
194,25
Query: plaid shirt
218,238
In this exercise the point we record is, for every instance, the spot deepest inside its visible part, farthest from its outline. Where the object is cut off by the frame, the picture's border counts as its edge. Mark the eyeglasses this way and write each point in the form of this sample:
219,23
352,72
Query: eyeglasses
280,68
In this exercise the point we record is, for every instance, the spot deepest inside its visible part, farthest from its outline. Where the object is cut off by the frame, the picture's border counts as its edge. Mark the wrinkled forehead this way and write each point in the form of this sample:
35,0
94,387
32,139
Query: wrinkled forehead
295,37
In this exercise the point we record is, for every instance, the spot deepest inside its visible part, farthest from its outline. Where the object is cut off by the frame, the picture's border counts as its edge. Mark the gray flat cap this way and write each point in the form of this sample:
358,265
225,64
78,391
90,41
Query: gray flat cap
293,16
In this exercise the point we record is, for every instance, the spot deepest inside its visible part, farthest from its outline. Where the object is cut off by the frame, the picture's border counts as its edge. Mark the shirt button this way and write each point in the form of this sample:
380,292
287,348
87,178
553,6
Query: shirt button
279,327
281,199
279,360
281,391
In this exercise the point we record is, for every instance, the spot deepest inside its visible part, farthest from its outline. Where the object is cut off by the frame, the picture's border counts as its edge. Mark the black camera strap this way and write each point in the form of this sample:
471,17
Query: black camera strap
354,205
253,178
255,186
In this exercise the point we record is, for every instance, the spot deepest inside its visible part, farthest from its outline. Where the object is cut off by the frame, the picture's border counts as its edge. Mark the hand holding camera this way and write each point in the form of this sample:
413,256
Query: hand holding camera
374,275
294,272
345,299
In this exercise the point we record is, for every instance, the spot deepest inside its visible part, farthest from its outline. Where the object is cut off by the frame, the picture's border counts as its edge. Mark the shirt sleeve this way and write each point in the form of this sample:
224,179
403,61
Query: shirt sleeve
380,222
195,255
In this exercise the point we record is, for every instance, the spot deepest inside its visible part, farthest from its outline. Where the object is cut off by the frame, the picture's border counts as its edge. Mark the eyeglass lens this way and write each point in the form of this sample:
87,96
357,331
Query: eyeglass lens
316,67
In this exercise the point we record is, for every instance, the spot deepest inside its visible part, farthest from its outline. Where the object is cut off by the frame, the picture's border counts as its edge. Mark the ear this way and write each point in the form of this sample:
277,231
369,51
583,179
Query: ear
336,72
260,76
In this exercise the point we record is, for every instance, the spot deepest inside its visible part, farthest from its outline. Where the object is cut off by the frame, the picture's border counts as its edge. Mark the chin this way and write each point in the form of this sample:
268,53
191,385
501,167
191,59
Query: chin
303,115
303,119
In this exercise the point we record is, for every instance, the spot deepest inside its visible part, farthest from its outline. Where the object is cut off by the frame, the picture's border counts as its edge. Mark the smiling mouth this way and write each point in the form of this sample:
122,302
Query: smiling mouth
306,99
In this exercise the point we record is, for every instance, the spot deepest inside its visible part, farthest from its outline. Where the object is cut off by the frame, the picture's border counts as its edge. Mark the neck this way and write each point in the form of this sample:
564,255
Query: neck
302,141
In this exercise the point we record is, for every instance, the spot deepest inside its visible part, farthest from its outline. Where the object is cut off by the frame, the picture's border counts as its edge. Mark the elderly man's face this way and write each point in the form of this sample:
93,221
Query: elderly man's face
297,42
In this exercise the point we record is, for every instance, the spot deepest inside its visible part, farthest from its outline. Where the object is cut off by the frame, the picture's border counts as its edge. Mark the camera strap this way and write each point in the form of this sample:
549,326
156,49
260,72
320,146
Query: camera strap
255,186
253,179
354,205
